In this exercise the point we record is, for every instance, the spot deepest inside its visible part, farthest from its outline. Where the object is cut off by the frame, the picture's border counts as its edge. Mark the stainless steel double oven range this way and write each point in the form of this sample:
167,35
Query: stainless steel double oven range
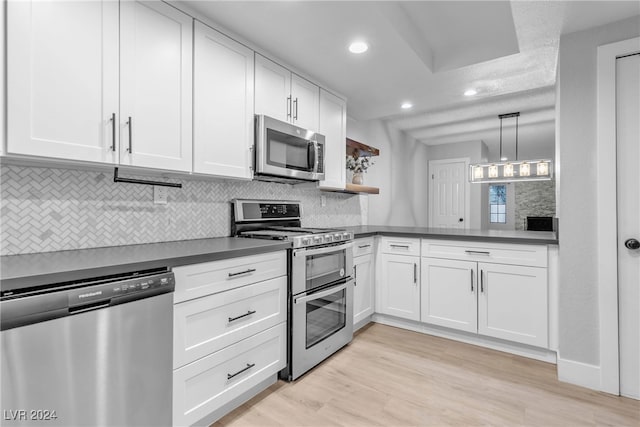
320,279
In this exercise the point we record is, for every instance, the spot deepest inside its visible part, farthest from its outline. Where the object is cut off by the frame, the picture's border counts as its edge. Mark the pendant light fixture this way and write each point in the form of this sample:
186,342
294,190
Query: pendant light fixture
507,171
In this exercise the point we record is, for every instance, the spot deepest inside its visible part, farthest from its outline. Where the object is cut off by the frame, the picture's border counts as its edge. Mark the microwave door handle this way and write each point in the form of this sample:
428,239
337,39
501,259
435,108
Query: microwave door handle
315,156
322,294
310,156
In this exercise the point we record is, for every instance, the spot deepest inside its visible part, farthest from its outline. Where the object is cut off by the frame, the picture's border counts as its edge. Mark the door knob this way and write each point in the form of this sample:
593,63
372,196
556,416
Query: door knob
632,244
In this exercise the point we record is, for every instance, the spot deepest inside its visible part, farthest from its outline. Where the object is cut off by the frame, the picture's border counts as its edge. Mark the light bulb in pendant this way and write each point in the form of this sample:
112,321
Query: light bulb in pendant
478,172
525,169
493,171
542,169
508,170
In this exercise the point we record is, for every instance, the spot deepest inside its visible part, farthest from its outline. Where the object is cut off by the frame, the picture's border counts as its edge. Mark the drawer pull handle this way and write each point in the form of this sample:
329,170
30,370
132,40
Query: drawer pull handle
247,271
479,252
248,313
364,246
400,246
249,366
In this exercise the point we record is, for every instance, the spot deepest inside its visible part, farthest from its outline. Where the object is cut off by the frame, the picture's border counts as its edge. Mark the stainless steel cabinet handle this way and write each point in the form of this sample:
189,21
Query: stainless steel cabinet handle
130,124
364,246
248,313
415,273
355,275
479,252
249,366
247,271
289,107
400,246
471,271
481,281
113,131
295,114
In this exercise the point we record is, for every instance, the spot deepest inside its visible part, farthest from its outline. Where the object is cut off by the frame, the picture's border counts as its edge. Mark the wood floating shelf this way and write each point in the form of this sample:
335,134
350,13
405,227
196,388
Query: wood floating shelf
355,188
358,149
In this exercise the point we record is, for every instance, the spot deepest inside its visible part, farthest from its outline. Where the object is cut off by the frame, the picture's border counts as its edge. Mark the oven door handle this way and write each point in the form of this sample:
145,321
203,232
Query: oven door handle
322,294
325,250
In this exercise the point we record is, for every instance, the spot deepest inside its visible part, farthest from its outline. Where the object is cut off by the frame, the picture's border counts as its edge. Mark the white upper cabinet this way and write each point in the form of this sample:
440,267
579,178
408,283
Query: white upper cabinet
273,89
285,96
333,125
222,105
305,103
63,79
156,86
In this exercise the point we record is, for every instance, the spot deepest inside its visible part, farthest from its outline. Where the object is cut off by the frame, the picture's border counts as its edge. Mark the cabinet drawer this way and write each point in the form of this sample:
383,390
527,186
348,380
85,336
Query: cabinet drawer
529,255
401,246
208,324
205,385
194,281
363,246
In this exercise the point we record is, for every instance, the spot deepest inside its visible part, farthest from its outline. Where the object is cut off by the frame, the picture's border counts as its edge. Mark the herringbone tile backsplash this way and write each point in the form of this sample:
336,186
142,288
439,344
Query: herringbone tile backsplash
58,209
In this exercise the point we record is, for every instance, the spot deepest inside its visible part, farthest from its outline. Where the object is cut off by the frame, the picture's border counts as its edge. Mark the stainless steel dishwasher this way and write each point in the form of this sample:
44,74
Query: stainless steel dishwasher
91,353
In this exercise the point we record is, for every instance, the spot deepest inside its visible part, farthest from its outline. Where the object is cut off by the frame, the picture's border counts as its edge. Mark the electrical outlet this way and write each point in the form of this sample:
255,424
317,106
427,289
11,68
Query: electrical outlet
323,201
160,195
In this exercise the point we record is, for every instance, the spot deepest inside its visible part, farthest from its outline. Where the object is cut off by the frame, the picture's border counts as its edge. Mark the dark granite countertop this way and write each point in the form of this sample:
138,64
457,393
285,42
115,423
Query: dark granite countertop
497,236
21,271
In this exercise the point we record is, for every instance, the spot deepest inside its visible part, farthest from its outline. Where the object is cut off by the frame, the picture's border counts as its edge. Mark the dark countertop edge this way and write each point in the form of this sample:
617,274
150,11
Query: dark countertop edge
107,270
472,238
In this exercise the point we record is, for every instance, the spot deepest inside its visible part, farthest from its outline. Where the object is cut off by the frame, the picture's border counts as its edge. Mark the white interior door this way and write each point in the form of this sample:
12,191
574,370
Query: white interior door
628,146
449,193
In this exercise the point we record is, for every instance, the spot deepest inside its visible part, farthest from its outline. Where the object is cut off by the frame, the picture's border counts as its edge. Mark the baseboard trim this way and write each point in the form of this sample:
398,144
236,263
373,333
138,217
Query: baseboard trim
578,373
523,350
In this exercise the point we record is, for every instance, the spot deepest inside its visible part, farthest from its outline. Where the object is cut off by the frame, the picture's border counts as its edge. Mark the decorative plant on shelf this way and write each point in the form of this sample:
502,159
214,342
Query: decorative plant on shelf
358,165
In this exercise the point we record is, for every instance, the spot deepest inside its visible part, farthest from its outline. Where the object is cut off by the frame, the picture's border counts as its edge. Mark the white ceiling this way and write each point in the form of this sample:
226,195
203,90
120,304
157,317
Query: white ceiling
428,53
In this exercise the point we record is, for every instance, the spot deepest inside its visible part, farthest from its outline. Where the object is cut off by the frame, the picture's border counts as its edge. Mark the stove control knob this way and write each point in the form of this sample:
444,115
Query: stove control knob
345,236
317,239
328,238
306,241
337,236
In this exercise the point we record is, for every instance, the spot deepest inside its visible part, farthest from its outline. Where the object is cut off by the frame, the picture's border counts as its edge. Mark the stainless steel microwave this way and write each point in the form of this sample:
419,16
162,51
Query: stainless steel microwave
284,151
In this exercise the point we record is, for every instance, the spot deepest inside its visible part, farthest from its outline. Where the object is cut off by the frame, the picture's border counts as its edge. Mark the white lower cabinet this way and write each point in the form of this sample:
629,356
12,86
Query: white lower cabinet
399,293
363,284
230,332
512,303
448,295
205,385
496,300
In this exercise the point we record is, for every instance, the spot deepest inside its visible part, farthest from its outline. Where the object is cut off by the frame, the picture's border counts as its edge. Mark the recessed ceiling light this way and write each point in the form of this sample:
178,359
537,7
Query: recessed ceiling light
358,47
503,159
406,105
470,92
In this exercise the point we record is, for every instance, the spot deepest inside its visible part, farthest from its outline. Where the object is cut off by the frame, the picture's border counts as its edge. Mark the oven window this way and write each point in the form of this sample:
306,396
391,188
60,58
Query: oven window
287,151
325,316
326,268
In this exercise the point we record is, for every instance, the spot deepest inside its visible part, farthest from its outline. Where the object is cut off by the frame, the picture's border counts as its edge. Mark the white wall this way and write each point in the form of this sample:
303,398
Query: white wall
475,151
576,187
400,172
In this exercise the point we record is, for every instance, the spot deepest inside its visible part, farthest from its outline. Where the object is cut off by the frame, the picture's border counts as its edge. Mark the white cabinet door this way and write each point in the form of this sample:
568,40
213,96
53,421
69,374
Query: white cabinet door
156,86
448,294
363,268
223,105
63,79
333,125
305,103
272,89
400,286
512,303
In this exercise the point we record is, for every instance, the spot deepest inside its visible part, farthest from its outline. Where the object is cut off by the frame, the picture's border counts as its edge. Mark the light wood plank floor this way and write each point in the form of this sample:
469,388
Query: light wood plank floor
392,377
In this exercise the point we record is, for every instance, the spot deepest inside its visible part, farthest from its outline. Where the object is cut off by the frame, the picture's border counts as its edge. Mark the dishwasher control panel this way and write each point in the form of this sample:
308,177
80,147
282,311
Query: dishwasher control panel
107,291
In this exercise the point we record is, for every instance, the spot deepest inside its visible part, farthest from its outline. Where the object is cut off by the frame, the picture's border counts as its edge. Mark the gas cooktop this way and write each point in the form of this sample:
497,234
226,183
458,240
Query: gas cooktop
280,220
